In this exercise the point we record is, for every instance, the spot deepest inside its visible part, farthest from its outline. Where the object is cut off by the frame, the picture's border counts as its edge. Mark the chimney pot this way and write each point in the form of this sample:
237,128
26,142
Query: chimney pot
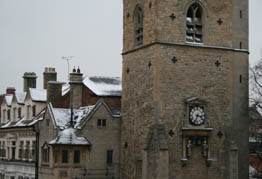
10,90
29,80
49,75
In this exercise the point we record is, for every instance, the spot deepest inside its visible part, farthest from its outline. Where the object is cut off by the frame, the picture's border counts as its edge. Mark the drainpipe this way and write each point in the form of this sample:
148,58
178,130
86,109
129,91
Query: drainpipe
37,152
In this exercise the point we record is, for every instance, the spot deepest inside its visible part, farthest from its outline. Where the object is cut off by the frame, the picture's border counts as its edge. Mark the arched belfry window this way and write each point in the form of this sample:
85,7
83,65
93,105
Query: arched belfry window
139,27
194,24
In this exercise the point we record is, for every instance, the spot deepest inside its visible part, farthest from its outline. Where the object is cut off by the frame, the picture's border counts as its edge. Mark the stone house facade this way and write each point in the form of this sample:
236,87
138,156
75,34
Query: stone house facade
86,148
185,85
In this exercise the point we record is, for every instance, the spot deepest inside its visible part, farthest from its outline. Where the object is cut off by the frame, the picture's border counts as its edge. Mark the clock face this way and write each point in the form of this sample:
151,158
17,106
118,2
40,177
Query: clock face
197,115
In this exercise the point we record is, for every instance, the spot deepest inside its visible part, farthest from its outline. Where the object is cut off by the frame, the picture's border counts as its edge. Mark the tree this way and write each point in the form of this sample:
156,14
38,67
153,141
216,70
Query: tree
255,121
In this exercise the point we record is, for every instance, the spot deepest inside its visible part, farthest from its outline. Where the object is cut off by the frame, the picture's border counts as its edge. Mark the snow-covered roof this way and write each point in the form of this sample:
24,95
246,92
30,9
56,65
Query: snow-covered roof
20,97
104,86
65,88
62,117
252,139
68,137
38,94
8,99
23,122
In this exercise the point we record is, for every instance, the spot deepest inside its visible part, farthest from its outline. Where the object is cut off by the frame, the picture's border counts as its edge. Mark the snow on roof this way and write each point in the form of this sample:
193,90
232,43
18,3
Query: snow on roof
8,99
104,86
62,117
38,94
68,137
23,122
20,97
252,139
65,89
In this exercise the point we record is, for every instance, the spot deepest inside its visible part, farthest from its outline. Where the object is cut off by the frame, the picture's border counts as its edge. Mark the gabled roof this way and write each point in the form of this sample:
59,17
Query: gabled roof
23,122
65,88
93,111
38,95
68,137
8,99
104,86
19,97
62,120
62,117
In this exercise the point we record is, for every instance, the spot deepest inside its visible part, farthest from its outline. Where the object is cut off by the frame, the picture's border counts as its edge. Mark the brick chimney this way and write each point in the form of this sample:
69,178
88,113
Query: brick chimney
49,75
76,88
10,90
29,80
54,93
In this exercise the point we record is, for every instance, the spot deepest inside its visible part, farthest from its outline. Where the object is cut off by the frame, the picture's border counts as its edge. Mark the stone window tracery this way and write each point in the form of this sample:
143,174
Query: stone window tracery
194,24
139,25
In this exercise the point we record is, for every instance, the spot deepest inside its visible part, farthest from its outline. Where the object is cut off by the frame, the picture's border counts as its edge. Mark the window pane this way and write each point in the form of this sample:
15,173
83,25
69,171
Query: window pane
109,157
64,156
77,156
104,122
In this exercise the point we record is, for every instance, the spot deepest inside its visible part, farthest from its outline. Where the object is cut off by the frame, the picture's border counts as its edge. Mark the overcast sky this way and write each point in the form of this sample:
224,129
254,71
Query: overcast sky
36,33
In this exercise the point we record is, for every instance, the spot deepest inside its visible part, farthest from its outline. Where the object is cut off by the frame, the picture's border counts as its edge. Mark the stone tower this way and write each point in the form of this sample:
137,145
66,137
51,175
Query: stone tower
185,89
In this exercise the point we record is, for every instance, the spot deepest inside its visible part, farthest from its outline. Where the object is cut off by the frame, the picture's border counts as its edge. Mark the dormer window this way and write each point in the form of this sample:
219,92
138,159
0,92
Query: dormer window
139,26
194,24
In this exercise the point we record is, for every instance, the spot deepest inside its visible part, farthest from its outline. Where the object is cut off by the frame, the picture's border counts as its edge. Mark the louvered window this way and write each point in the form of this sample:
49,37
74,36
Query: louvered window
139,26
194,24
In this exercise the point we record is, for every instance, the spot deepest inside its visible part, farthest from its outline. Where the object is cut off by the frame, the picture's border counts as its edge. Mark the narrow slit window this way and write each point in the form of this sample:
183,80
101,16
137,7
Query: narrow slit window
139,26
194,24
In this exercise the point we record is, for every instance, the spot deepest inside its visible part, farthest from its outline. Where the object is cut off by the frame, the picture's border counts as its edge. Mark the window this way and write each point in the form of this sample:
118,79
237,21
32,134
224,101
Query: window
139,27
14,114
109,157
13,152
27,147
47,122
20,153
194,24
4,113
55,156
45,154
64,156
101,122
28,111
13,149
34,111
76,156
8,114
0,150
4,151
19,113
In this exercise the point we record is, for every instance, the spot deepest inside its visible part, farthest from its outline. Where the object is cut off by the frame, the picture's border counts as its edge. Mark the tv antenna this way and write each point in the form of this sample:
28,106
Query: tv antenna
68,58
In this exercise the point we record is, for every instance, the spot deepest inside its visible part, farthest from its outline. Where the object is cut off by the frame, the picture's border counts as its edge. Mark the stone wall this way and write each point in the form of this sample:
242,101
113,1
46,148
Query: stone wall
169,70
